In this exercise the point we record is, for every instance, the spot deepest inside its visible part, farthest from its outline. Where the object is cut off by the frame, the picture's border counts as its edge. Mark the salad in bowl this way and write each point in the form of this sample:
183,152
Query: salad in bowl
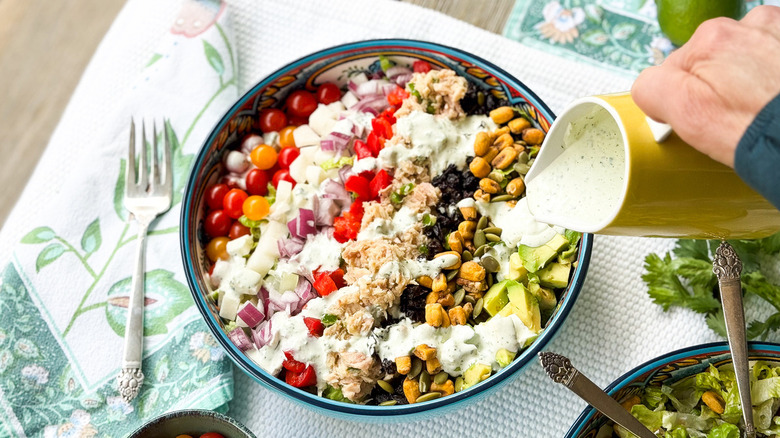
356,234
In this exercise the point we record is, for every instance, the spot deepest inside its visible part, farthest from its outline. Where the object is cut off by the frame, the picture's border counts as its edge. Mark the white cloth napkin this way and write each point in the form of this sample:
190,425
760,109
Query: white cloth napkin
613,326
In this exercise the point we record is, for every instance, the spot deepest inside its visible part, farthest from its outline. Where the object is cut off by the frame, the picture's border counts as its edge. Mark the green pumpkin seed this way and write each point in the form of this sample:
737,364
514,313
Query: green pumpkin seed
425,382
428,397
489,280
523,168
384,384
483,222
492,237
490,264
417,366
479,238
496,176
388,403
459,384
501,198
459,295
469,299
481,250
452,274
522,158
466,256
440,378
477,308
493,230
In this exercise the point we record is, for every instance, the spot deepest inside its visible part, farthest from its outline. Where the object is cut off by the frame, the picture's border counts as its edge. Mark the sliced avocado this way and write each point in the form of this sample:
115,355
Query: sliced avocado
534,257
558,243
555,275
517,271
507,310
495,299
526,307
545,296
475,374
504,357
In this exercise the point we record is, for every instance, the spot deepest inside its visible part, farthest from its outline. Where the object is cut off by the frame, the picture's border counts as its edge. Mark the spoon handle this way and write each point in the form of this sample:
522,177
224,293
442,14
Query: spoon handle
728,268
560,369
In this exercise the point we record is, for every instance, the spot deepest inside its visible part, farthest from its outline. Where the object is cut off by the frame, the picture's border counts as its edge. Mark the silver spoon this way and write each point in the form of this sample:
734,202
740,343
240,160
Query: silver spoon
560,369
727,268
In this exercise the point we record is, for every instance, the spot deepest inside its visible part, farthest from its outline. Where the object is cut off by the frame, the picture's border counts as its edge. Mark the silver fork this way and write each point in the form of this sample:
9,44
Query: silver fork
147,195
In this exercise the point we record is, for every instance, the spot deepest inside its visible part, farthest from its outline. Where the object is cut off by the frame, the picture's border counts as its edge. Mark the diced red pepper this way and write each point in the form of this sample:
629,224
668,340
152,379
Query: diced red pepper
421,66
292,365
303,379
389,114
362,150
338,277
358,185
382,127
381,180
315,326
356,211
375,142
397,96
324,285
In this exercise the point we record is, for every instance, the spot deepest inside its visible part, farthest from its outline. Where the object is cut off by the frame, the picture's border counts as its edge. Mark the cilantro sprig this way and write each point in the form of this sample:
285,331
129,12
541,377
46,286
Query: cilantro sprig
684,278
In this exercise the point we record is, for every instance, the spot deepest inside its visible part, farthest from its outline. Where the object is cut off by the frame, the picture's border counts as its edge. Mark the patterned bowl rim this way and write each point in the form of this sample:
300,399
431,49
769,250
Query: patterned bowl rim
656,363
365,411
186,413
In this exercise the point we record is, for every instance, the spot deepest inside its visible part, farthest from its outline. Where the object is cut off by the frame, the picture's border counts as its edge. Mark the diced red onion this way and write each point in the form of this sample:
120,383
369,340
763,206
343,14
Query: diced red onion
327,144
250,142
358,129
303,225
306,273
236,162
397,70
304,291
344,173
263,334
331,189
239,338
325,210
388,88
402,80
251,315
337,141
289,247
372,104
234,181
369,88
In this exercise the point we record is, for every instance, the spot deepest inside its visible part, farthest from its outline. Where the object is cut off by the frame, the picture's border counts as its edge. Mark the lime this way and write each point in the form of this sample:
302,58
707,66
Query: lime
680,18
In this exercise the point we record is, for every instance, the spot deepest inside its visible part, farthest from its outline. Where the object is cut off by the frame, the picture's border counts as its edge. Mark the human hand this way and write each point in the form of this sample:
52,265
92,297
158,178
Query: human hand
711,88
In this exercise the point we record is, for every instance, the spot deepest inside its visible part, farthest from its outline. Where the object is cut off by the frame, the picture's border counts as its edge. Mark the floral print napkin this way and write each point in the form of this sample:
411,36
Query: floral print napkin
620,35
64,295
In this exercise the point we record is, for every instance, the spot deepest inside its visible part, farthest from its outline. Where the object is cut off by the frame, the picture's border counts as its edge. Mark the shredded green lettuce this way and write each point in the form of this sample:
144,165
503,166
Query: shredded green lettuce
333,163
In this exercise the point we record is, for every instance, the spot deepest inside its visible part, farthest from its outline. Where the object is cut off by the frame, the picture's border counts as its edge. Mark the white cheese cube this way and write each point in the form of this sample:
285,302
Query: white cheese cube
298,168
322,120
229,306
349,99
240,246
221,270
305,136
337,107
315,175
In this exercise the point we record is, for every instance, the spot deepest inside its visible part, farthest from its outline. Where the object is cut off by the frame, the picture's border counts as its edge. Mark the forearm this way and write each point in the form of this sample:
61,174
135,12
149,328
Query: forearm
757,158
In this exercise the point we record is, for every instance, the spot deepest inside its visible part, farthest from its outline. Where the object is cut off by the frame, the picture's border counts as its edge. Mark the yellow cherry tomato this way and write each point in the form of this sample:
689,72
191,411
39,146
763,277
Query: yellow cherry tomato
263,156
286,138
256,208
217,249
183,436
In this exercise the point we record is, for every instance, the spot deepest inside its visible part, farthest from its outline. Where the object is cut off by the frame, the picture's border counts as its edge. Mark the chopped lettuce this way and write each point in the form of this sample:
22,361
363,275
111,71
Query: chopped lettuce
333,163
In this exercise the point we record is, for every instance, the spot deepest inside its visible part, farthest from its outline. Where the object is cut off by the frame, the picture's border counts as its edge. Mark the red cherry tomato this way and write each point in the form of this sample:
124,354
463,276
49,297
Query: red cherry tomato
212,435
272,119
234,203
301,103
287,156
421,66
328,93
214,195
237,230
282,174
217,223
257,182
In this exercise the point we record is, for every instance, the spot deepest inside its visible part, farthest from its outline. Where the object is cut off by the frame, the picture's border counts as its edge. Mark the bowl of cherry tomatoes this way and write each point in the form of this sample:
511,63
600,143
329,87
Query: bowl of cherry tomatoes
192,423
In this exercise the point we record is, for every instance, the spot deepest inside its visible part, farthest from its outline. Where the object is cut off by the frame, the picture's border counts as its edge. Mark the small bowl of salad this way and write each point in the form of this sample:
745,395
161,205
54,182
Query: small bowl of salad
192,423
692,392
356,235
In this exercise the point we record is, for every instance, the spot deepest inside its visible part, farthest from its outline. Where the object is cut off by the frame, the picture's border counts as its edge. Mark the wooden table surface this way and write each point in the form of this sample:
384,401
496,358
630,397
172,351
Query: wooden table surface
46,45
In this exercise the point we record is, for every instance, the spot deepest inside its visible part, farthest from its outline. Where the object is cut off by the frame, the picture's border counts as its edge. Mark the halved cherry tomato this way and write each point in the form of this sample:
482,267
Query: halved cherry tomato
214,195
212,435
287,156
255,208
421,66
301,380
234,202
286,138
282,174
257,182
301,103
297,120
217,249
315,326
217,223
263,156
272,119
237,230
328,93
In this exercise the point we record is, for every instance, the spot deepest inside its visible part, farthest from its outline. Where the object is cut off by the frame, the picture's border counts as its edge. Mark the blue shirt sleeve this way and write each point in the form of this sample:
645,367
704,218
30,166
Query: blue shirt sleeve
757,159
